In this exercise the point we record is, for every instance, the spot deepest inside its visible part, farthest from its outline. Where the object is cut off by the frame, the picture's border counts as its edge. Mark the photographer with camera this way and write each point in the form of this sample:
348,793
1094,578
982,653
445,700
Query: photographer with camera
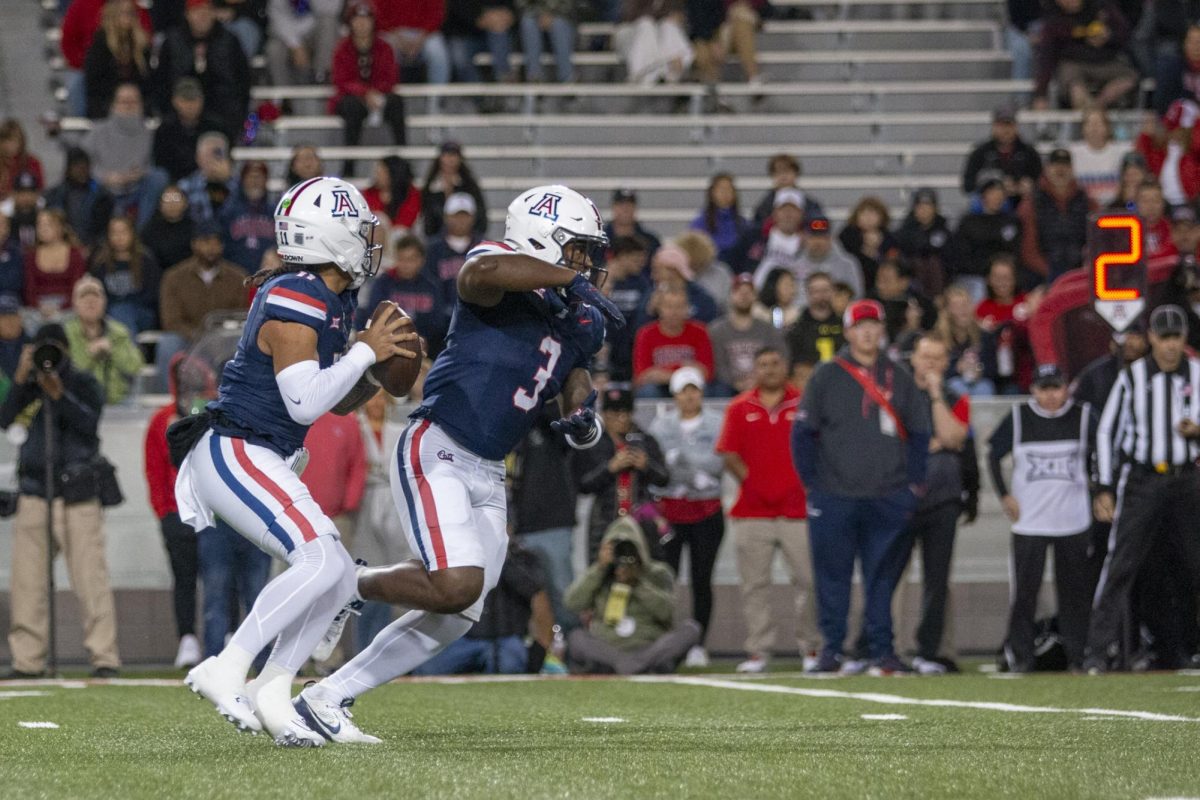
627,603
46,383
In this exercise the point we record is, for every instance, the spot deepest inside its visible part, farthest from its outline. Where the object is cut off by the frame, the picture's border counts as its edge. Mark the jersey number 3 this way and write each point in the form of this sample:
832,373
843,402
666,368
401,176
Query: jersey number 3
527,401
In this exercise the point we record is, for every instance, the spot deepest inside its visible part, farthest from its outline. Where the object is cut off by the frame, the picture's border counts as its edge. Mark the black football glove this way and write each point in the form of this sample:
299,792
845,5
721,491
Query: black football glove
583,289
582,428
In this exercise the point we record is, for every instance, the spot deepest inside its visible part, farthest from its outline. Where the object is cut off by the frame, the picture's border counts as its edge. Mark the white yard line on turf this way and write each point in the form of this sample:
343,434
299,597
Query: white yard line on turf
38,724
603,719
10,695
883,717
893,699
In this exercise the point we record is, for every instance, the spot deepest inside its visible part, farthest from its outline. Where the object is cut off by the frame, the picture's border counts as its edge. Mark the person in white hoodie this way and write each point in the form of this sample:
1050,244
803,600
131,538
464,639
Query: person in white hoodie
691,501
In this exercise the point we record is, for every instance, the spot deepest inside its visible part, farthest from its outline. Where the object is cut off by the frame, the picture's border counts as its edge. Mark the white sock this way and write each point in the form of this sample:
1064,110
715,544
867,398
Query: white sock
271,693
316,567
235,660
398,649
297,641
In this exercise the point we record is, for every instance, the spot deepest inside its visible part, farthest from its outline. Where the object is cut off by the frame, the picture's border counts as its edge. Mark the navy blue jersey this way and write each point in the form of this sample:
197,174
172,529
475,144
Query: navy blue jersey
249,404
502,363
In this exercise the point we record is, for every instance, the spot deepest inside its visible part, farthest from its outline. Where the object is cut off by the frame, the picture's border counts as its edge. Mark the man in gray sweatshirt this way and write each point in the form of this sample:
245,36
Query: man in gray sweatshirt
121,149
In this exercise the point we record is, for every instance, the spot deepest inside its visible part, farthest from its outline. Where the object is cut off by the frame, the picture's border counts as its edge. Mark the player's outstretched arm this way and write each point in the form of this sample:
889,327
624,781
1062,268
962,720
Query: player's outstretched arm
309,391
484,279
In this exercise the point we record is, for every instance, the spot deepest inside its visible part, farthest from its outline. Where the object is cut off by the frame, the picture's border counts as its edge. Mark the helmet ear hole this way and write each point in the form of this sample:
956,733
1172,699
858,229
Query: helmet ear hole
535,244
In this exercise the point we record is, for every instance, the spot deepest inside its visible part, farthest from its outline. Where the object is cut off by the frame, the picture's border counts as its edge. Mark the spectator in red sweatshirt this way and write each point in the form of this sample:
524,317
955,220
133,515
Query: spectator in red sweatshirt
672,342
1152,208
336,475
1171,148
364,74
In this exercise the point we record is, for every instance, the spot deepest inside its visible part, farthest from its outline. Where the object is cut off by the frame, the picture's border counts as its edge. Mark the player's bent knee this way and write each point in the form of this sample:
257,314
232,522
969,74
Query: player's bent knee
456,589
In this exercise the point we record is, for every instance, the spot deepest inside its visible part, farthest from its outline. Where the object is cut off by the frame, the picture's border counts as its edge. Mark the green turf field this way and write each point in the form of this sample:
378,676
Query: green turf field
780,735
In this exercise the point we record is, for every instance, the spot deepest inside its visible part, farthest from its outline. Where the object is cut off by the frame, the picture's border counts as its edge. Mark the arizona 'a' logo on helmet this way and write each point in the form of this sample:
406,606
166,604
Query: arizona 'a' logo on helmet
542,220
343,206
326,220
547,207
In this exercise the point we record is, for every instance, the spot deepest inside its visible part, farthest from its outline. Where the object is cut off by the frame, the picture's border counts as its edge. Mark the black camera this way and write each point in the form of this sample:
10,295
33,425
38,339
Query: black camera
47,357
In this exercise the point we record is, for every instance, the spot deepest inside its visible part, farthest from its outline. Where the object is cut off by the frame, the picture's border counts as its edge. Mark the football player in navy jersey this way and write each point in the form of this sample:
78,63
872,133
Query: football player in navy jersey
528,319
292,365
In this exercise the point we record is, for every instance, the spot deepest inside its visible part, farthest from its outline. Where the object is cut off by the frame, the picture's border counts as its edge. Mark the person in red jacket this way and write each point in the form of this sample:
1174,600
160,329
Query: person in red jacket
769,514
1171,147
672,342
219,556
364,73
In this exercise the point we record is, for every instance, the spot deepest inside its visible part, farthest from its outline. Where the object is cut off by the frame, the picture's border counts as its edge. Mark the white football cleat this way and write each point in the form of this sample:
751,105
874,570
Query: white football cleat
697,657
271,698
330,717
225,692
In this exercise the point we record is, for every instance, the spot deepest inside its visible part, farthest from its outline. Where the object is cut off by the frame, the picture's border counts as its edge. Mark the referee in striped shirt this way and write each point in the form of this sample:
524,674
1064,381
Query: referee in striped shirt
1146,447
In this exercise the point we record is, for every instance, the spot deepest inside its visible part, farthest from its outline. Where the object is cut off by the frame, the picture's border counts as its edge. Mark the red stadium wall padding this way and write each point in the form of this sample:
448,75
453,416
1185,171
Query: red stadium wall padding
1065,330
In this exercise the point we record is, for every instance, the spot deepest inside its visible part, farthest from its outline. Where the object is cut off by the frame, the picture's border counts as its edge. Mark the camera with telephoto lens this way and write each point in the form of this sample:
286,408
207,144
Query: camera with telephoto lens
47,357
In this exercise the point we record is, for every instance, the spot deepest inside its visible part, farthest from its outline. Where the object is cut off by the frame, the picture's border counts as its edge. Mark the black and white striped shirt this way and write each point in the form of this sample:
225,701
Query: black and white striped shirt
1141,415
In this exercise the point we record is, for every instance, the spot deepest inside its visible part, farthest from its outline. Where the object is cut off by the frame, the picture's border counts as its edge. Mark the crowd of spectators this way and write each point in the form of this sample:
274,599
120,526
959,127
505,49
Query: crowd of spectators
153,227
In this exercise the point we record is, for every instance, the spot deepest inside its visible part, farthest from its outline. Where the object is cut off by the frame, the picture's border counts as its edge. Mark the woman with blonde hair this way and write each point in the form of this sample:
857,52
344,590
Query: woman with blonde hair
120,53
53,265
712,275
957,326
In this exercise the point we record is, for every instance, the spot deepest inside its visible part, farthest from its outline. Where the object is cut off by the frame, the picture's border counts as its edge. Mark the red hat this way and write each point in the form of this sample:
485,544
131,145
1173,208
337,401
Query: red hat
197,3
860,311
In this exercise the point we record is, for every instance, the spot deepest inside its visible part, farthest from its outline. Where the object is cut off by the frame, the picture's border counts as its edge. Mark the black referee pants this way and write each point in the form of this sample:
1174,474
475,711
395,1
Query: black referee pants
1071,583
1149,505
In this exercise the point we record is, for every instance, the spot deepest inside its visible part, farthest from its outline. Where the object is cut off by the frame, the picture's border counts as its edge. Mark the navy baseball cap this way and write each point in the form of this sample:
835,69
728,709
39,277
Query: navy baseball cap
205,229
1048,375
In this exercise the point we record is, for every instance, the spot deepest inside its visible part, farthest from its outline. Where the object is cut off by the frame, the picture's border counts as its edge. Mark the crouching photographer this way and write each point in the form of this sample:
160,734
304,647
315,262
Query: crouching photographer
626,601
59,412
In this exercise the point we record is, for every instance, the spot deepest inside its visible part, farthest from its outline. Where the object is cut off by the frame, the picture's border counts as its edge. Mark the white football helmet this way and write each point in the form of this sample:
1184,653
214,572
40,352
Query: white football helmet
326,220
545,219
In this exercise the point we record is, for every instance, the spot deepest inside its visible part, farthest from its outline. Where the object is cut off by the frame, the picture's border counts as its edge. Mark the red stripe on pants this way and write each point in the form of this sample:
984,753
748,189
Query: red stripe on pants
281,497
427,504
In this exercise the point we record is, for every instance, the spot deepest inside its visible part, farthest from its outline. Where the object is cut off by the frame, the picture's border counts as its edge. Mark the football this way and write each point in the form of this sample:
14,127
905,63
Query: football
397,374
